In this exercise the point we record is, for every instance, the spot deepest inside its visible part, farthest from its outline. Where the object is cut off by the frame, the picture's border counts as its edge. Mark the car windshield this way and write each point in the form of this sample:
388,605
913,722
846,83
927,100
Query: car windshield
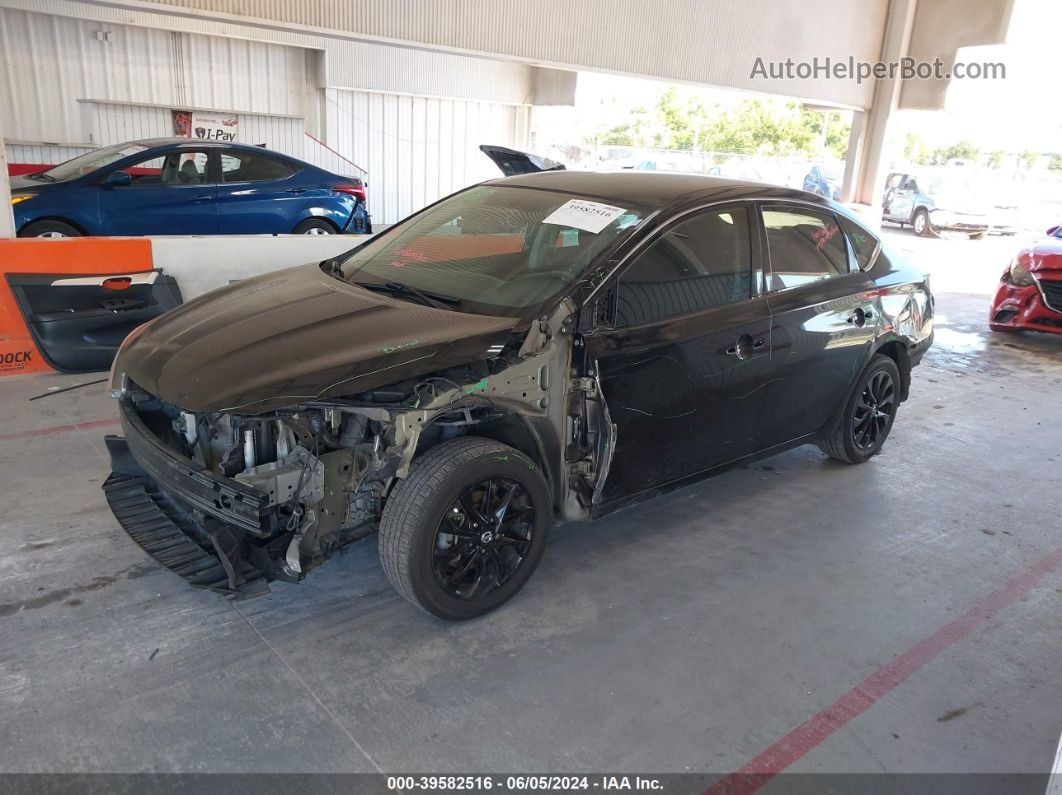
492,250
87,163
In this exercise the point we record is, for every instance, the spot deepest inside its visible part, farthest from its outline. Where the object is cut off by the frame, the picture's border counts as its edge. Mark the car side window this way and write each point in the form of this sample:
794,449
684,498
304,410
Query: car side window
253,167
173,168
894,181
910,184
699,264
805,246
864,244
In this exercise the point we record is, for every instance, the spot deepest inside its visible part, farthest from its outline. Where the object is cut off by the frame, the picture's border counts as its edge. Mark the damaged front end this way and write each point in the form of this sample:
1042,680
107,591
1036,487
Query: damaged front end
231,500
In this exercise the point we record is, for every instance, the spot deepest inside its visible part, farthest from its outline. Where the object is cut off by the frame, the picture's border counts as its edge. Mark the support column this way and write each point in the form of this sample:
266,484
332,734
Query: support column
871,154
7,218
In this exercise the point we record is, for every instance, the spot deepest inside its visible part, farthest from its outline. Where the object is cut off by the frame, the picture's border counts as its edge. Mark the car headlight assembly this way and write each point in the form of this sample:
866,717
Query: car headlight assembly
1019,274
20,197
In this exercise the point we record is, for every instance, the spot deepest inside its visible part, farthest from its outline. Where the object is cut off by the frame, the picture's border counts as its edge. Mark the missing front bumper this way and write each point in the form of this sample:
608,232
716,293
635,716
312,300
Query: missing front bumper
167,535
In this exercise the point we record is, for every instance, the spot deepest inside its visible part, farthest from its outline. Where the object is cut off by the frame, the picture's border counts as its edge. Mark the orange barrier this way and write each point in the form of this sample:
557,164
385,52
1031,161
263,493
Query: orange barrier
87,256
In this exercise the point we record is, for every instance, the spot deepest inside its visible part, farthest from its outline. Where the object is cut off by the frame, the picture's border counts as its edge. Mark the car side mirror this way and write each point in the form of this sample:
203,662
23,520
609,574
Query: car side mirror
1053,230
117,179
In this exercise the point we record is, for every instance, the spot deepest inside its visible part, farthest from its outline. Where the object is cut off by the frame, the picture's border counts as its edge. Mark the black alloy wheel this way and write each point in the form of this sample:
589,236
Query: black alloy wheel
864,422
874,411
465,530
483,538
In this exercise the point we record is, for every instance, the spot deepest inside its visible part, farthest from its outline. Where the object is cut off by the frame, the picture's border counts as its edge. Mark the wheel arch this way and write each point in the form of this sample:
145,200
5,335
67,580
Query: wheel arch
899,352
303,218
60,219
531,436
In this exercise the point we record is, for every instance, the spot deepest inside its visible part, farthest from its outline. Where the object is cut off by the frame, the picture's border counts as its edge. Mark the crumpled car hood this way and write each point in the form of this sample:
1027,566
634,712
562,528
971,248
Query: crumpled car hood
1046,255
297,335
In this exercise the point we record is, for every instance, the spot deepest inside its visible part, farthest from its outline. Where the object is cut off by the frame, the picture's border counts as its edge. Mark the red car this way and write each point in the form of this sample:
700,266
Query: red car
1030,292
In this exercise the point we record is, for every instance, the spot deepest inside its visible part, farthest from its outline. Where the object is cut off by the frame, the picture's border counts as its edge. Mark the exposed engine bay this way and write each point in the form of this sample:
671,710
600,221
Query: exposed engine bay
322,470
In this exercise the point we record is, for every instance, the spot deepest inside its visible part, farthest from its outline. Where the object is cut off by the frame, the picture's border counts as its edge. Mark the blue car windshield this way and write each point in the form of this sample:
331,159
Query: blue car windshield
492,249
87,163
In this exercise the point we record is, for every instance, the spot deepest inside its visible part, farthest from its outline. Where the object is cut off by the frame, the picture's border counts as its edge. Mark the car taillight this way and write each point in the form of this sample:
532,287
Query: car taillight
358,191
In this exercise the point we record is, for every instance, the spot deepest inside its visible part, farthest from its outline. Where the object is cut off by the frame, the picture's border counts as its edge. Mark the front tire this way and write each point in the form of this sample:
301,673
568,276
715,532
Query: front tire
921,224
869,414
465,531
314,226
49,228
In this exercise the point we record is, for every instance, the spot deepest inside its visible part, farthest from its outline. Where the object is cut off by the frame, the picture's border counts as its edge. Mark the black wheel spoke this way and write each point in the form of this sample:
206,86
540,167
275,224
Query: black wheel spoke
873,410
471,511
460,572
503,506
451,527
483,538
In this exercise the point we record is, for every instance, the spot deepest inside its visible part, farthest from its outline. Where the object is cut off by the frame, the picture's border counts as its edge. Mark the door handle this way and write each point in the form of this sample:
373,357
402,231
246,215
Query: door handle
857,319
201,199
295,191
744,347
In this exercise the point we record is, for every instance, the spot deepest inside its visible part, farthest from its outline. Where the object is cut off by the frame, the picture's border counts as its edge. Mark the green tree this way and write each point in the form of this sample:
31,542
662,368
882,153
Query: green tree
963,150
915,149
1054,161
1029,158
753,126
995,159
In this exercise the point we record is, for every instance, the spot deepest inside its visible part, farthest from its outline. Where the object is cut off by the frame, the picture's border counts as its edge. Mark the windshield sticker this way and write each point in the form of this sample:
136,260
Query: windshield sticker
581,214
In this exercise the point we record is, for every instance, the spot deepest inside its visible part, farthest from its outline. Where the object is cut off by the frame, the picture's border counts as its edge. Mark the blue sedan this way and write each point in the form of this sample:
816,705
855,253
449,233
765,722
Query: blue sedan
181,186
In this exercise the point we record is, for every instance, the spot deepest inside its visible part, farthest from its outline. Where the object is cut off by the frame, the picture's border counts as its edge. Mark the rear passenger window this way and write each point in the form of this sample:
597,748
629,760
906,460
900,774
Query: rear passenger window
863,242
699,264
253,167
805,246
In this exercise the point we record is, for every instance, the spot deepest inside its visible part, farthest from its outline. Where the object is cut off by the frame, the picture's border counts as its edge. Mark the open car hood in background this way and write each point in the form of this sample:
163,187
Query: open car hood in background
513,162
296,335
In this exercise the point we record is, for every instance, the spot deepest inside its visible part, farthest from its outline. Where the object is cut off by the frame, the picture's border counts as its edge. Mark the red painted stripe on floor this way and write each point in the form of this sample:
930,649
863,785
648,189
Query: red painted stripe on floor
58,429
814,731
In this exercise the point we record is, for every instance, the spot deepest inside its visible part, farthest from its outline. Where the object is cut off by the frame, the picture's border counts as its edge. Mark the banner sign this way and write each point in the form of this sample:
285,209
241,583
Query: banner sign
211,126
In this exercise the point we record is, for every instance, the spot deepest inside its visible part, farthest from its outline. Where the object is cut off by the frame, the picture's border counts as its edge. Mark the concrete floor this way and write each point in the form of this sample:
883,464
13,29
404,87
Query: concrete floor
686,634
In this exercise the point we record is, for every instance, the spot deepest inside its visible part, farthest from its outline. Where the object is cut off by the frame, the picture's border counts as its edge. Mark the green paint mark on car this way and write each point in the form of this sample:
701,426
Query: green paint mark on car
398,347
479,386
521,459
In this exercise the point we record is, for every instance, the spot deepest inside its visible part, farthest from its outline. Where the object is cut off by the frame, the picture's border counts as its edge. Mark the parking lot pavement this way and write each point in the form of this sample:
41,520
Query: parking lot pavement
689,633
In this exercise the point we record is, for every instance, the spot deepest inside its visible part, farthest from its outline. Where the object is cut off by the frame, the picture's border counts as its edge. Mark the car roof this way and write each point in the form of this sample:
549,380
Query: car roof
199,143
656,188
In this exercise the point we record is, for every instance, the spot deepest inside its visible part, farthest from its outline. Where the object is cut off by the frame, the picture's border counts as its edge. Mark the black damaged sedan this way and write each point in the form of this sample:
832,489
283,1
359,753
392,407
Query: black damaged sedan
536,349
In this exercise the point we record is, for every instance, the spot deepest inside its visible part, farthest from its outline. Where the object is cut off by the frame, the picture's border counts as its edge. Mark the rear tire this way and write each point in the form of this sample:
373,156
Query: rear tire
442,543
868,416
314,226
49,228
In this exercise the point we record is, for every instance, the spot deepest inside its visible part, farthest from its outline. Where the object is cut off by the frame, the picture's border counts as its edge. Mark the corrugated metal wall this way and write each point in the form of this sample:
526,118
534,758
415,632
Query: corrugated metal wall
112,123
404,70
692,40
42,153
53,62
419,149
